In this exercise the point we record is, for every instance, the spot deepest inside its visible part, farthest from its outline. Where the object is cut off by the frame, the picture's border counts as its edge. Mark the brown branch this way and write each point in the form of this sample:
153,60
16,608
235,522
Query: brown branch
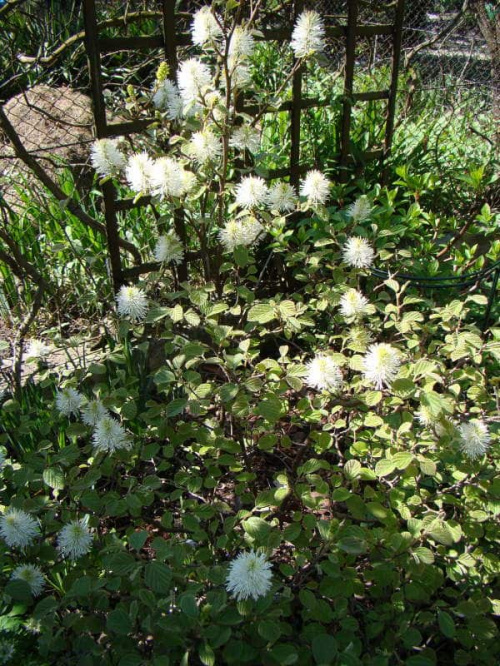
51,59
439,36
71,205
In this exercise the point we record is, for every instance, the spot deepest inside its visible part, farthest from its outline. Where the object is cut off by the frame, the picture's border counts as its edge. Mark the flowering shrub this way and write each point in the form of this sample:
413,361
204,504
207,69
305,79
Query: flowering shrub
305,470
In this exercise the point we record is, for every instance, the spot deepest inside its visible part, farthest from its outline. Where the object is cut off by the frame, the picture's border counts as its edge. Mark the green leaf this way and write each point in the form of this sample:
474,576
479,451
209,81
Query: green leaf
270,408
176,406
446,624
257,528
138,539
119,622
269,630
352,545
439,531
19,590
261,313
324,649
285,654
206,655
352,469
402,459
158,577
54,478
384,467
372,398
188,605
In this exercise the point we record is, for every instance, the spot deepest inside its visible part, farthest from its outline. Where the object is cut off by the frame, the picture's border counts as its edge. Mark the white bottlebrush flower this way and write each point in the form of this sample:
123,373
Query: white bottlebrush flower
249,575
245,137
18,528
324,373
358,252
167,98
132,302
93,412
353,303
381,364
194,79
425,417
188,181
74,540
251,192
240,232
138,172
166,178
109,436
69,401
360,210
240,74
169,249
37,349
474,438
106,158
282,197
205,146
241,45
31,575
204,27
308,35
316,187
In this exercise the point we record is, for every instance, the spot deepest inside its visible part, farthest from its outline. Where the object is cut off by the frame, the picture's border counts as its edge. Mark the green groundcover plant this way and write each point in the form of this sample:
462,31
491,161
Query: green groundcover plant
278,460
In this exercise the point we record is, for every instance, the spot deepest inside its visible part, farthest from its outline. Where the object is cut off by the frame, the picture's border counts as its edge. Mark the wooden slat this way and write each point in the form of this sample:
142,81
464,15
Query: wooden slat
308,103
396,55
99,109
370,96
348,87
112,44
129,127
295,111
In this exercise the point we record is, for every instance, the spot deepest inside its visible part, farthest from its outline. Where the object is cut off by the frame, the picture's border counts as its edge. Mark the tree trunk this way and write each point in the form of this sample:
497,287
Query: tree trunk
489,24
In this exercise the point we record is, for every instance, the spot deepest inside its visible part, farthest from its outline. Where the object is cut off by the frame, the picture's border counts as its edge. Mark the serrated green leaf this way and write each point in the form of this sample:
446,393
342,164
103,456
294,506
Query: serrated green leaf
384,467
324,649
351,469
158,577
54,477
262,313
446,624
119,622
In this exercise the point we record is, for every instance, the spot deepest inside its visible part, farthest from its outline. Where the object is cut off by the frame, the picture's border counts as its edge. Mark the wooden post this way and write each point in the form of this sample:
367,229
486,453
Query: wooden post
99,109
170,50
350,59
393,91
295,113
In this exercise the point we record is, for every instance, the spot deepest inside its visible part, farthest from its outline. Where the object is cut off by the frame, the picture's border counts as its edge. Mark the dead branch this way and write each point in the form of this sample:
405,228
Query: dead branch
71,205
439,36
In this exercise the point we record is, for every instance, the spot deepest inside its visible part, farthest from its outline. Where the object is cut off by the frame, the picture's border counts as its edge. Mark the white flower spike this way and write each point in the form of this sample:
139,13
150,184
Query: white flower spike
324,374
169,249
69,401
381,365
251,192
132,302
31,575
474,438
316,187
18,528
308,36
249,575
74,540
358,252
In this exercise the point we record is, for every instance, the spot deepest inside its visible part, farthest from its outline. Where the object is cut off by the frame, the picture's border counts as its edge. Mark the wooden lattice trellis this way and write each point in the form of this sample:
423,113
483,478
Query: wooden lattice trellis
171,39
